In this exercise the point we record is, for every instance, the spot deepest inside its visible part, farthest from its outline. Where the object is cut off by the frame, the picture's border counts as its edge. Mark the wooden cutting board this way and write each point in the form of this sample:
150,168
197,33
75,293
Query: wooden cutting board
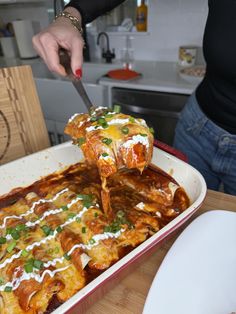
22,127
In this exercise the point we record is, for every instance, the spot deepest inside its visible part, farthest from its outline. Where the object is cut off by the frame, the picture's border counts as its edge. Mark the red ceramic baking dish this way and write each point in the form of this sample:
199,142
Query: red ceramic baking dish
25,171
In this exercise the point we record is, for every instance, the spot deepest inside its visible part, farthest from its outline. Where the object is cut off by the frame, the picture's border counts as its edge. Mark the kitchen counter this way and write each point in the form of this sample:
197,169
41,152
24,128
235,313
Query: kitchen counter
39,69
156,76
128,295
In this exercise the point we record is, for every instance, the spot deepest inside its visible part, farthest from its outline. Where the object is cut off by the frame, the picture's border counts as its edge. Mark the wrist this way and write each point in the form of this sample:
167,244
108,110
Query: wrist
72,16
74,12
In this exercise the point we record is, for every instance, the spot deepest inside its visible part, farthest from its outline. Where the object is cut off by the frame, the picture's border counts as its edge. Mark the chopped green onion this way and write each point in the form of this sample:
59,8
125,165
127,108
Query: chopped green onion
29,267
64,208
120,214
57,250
108,115
59,229
92,241
85,197
21,227
8,289
101,121
116,108
132,119
125,130
95,215
15,235
143,134
104,155
87,204
93,119
83,229
37,264
9,230
81,141
24,253
151,130
47,230
1,281
105,125
78,219
106,140
3,240
11,246
71,215
67,257
107,229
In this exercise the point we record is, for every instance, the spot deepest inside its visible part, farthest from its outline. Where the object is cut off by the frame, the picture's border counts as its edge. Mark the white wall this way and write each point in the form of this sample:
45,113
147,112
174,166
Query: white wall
171,23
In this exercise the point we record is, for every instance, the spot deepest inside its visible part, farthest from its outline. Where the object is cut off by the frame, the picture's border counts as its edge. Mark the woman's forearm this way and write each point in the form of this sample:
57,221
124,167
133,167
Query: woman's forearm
91,9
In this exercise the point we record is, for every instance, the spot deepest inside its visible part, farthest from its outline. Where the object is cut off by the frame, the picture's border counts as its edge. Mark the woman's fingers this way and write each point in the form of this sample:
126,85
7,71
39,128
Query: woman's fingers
60,34
47,46
77,55
38,47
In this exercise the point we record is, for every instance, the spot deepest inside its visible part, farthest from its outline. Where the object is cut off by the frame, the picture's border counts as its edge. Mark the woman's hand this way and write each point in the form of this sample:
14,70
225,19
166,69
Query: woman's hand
61,34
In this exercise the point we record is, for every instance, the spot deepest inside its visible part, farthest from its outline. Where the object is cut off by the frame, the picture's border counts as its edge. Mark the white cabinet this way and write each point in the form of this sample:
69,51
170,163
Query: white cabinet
60,100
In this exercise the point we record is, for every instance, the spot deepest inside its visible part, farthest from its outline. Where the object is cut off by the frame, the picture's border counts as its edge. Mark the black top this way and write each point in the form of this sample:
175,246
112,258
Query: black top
90,10
216,94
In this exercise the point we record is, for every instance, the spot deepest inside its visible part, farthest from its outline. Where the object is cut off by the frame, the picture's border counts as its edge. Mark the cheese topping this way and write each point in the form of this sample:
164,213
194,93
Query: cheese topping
31,210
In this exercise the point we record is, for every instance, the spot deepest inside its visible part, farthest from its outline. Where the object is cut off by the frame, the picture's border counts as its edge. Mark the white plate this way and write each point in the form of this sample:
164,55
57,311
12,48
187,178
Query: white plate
198,275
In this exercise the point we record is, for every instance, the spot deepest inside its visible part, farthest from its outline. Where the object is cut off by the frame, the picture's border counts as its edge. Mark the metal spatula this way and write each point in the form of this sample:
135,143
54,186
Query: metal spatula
65,61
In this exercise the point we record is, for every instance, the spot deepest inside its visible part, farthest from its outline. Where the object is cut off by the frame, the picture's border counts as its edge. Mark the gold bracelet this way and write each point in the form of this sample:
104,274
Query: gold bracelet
74,20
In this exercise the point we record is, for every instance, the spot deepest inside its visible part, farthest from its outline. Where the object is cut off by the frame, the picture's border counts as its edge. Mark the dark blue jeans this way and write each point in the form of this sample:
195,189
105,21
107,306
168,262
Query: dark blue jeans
210,149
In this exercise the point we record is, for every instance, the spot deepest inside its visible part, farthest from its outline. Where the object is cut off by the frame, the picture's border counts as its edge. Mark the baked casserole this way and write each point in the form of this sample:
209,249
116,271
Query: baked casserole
55,236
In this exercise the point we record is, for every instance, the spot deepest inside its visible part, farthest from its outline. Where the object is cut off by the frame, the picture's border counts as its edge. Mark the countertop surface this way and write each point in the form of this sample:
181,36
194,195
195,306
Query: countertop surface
128,296
155,75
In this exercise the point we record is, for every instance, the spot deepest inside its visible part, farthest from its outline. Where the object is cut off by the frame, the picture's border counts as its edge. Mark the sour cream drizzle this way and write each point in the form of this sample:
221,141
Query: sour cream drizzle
107,158
74,116
43,241
52,212
31,210
46,214
135,140
93,128
140,205
95,239
14,284
125,121
27,276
